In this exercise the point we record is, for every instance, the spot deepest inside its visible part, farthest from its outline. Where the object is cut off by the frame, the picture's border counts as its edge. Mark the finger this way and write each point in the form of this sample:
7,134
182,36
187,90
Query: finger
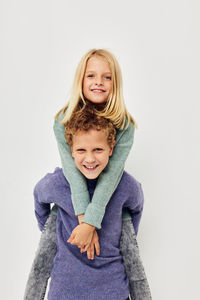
83,249
92,251
71,238
74,242
86,247
89,253
97,248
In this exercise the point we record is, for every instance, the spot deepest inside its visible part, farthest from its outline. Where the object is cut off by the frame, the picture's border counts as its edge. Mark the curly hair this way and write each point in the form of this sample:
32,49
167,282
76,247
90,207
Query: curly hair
84,119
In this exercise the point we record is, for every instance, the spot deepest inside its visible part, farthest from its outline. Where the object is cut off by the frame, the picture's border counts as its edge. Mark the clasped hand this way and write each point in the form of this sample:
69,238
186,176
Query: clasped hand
86,238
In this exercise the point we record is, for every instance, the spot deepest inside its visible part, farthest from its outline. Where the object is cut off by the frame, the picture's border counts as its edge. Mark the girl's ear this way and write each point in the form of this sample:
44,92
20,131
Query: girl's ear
111,148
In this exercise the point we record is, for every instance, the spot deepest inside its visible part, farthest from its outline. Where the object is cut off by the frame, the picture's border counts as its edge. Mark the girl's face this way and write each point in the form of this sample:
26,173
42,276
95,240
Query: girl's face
97,80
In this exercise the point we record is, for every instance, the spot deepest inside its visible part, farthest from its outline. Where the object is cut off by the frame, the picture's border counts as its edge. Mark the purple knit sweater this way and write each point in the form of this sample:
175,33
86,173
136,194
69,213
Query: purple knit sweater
73,276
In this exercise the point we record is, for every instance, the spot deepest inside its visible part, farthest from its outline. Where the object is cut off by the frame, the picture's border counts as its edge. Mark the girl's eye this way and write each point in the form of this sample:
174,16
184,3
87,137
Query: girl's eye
91,75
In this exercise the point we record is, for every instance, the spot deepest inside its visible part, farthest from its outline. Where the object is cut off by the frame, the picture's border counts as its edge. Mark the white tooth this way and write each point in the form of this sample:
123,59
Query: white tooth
90,167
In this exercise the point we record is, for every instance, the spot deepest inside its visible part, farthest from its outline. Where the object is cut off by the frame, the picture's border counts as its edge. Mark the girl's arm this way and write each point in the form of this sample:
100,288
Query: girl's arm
78,185
138,284
109,178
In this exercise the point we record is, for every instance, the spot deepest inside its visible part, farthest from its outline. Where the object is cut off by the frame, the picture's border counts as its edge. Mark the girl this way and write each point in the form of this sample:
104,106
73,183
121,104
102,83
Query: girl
97,80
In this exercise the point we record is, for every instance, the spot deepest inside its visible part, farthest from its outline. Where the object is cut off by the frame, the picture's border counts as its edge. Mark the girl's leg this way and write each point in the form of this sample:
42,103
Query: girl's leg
139,287
43,262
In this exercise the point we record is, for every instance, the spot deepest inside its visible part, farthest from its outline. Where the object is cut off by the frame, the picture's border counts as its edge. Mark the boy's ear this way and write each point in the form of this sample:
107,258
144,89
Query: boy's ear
111,149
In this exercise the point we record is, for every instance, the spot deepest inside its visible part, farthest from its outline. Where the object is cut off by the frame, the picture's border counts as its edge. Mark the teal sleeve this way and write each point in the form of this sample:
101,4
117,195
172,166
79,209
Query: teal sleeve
78,185
109,178
126,215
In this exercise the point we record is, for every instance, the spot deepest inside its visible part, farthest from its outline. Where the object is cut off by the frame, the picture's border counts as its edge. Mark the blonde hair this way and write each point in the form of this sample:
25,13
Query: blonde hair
114,108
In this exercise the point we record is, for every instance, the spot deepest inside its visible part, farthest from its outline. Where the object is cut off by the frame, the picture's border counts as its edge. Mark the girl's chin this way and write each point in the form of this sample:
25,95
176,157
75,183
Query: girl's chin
97,99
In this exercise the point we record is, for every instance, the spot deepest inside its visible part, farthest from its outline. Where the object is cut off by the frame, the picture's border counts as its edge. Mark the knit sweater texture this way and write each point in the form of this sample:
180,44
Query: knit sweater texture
74,276
108,180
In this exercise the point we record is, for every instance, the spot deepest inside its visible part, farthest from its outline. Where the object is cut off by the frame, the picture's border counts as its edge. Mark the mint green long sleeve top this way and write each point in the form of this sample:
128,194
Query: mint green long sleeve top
108,180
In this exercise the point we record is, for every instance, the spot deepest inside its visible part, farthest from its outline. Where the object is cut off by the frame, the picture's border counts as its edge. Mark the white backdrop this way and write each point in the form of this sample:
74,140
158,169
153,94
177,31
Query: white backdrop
157,45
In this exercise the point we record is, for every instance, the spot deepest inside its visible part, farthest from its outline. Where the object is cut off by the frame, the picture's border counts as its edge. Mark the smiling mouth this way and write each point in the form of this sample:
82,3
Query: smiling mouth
91,168
98,91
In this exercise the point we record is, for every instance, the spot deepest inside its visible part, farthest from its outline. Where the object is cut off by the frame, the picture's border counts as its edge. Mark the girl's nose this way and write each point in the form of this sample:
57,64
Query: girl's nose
98,81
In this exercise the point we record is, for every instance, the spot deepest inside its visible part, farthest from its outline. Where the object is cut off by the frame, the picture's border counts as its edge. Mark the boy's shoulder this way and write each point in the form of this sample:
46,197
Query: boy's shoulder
54,180
128,182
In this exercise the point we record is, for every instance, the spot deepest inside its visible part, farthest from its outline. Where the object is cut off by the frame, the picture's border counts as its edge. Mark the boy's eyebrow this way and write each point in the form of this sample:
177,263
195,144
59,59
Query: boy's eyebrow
80,148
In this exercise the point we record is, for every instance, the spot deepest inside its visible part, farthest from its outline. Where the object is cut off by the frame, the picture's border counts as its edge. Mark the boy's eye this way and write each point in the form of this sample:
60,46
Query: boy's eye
98,149
80,150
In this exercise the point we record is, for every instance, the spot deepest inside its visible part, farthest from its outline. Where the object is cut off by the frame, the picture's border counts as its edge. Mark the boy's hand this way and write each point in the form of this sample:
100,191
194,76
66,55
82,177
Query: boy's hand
82,235
93,245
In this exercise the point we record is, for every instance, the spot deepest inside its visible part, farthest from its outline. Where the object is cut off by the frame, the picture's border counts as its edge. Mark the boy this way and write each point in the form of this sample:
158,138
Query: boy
91,140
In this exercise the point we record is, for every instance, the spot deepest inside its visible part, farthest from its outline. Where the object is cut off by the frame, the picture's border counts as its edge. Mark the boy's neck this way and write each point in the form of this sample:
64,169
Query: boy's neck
91,182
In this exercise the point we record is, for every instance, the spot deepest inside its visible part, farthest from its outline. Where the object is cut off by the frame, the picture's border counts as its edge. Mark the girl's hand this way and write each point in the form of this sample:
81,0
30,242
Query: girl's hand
82,235
93,245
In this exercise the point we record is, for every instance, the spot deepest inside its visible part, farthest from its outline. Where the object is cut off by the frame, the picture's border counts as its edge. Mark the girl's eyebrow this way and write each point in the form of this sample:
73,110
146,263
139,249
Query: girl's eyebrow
95,72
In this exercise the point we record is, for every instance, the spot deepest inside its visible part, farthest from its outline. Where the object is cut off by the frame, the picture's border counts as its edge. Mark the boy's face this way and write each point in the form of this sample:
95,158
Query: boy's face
91,152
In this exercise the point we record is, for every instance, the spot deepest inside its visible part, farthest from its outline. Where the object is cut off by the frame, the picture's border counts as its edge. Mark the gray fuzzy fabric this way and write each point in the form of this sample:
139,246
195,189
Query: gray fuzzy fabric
139,287
43,262
139,290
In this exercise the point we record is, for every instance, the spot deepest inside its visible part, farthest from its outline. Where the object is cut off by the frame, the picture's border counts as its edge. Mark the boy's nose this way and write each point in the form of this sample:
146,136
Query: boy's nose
90,158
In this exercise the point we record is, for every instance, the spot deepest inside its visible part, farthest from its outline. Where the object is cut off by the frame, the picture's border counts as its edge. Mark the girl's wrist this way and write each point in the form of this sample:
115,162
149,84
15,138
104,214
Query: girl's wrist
80,217
91,226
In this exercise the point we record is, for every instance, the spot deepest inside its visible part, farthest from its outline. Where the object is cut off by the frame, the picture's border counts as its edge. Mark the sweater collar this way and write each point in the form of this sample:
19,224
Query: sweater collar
91,183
